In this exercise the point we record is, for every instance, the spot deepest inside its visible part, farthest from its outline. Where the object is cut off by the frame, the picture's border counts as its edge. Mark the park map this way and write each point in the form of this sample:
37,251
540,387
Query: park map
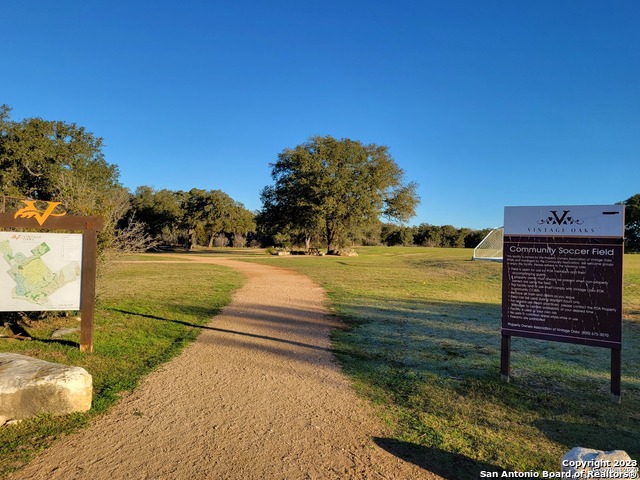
43,271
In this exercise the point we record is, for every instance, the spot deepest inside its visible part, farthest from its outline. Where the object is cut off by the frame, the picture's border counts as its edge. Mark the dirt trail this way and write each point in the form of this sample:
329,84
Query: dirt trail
257,396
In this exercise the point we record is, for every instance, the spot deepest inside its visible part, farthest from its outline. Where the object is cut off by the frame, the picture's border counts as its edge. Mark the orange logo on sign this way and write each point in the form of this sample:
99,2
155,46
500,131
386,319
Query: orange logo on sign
31,211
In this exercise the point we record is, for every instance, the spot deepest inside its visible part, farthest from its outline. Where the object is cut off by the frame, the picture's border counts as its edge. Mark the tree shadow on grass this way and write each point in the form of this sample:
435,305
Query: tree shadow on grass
68,343
31,338
446,464
583,434
462,339
420,352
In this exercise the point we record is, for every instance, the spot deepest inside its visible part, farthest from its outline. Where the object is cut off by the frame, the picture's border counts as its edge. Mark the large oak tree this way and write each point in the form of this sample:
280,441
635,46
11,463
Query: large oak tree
338,187
59,161
214,213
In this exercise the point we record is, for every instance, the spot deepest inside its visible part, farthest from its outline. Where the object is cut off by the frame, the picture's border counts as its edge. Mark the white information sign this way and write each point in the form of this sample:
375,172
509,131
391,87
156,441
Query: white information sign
40,271
565,221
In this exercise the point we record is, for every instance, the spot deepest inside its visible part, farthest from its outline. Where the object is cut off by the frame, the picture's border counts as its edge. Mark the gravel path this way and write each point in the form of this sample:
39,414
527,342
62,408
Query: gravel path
257,396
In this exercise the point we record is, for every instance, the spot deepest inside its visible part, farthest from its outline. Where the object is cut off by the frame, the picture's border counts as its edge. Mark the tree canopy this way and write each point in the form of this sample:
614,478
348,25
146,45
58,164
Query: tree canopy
54,160
325,190
197,216
632,223
214,213
337,189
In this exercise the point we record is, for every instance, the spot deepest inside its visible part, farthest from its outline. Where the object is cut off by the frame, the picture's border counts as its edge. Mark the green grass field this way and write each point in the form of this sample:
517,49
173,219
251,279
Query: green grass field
145,314
421,340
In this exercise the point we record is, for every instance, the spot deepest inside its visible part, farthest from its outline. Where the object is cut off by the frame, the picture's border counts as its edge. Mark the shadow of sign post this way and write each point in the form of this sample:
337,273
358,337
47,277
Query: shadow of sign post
23,268
562,279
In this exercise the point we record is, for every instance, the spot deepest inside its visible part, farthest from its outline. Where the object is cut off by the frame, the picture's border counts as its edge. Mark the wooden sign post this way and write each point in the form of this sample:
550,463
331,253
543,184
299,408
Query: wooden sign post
30,218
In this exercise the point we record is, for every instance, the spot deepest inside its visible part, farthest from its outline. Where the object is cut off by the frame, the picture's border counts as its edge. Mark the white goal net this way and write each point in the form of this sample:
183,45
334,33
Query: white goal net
491,247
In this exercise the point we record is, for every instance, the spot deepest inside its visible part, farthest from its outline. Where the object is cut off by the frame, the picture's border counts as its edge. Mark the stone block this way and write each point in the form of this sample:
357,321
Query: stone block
588,463
29,387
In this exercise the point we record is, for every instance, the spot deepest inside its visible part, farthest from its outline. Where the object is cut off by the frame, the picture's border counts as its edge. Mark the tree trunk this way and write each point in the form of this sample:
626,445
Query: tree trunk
330,237
192,238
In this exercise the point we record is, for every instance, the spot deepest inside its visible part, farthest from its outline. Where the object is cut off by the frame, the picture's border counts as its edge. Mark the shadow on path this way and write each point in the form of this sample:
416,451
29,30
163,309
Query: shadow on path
224,330
446,464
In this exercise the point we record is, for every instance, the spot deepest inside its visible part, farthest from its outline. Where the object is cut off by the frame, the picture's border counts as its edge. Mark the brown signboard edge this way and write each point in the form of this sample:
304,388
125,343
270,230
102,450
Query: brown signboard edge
89,226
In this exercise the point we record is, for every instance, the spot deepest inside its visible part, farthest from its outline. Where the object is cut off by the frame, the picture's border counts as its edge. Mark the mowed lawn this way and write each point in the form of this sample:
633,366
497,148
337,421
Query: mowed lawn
145,314
422,341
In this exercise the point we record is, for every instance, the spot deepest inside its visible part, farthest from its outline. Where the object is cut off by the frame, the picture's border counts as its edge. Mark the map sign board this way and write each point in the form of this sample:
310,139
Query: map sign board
562,274
40,271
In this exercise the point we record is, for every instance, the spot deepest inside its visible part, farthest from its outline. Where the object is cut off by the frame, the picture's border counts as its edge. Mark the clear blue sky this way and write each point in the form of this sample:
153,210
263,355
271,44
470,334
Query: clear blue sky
484,103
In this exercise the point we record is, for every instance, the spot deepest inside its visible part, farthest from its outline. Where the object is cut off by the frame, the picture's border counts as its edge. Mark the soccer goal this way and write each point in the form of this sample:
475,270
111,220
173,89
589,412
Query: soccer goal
490,248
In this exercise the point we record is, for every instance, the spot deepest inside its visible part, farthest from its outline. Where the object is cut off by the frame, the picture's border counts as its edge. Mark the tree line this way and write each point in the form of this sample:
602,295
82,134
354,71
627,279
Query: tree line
326,192
196,217
425,235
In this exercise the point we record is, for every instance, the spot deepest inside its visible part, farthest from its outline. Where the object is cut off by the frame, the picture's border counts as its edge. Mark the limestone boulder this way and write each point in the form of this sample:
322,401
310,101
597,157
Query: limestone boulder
588,463
29,387
63,332
345,252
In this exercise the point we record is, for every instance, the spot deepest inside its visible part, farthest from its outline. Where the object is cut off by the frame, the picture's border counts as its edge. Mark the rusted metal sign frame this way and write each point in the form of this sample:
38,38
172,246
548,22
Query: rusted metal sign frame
89,226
